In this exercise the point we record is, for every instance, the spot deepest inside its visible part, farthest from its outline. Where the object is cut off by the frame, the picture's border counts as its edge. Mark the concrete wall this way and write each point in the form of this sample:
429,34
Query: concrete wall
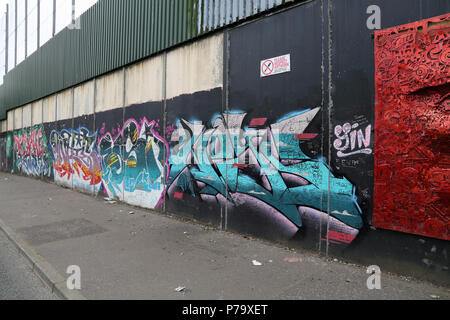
49,109
196,131
18,118
36,112
109,91
194,68
10,120
3,126
84,99
26,116
144,81
64,105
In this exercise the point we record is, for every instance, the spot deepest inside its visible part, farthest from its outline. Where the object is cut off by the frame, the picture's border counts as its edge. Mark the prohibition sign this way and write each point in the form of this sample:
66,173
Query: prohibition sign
267,67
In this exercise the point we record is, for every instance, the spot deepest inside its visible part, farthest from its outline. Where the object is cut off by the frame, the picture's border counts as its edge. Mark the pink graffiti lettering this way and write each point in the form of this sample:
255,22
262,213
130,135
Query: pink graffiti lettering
29,145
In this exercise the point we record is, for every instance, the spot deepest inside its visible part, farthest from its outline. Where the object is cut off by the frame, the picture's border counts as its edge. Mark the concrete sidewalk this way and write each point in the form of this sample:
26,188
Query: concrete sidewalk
130,253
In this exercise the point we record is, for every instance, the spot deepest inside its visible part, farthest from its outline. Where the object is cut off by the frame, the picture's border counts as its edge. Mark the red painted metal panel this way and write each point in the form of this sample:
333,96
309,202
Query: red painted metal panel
412,158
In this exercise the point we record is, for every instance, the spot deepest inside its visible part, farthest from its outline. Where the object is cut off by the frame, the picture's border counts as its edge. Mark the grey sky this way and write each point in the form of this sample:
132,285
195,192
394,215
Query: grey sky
2,6
63,19
81,5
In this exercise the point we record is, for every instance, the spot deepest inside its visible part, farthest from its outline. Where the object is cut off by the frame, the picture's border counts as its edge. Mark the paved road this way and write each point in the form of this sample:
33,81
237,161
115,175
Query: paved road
17,281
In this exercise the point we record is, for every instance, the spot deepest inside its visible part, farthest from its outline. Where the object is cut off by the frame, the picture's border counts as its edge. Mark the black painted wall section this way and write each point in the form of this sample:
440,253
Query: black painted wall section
199,107
353,98
275,97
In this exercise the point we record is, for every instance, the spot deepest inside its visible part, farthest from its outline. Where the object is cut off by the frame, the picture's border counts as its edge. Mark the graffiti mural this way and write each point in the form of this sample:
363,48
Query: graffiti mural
261,167
412,158
30,151
134,164
75,158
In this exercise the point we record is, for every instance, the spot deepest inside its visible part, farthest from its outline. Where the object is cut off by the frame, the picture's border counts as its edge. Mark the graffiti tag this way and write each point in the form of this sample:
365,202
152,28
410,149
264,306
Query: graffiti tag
351,140
74,155
134,163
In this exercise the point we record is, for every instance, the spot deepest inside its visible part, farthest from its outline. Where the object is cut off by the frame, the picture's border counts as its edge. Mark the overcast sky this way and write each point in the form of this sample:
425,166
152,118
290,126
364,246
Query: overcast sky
2,6
82,5
63,19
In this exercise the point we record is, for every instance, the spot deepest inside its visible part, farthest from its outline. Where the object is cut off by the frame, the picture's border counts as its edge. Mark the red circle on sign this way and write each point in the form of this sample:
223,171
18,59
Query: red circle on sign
267,67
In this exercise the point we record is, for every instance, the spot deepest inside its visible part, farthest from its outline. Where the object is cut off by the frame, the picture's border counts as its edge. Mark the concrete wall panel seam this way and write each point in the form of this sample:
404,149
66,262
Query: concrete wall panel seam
164,97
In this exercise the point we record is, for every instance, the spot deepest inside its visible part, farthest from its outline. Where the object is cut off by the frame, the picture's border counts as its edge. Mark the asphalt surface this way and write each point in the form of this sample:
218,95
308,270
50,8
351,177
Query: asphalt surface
130,253
17,280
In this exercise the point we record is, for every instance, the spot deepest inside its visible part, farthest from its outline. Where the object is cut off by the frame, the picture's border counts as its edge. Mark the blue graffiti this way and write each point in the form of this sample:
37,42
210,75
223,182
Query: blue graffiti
133,161
266,164
33,166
